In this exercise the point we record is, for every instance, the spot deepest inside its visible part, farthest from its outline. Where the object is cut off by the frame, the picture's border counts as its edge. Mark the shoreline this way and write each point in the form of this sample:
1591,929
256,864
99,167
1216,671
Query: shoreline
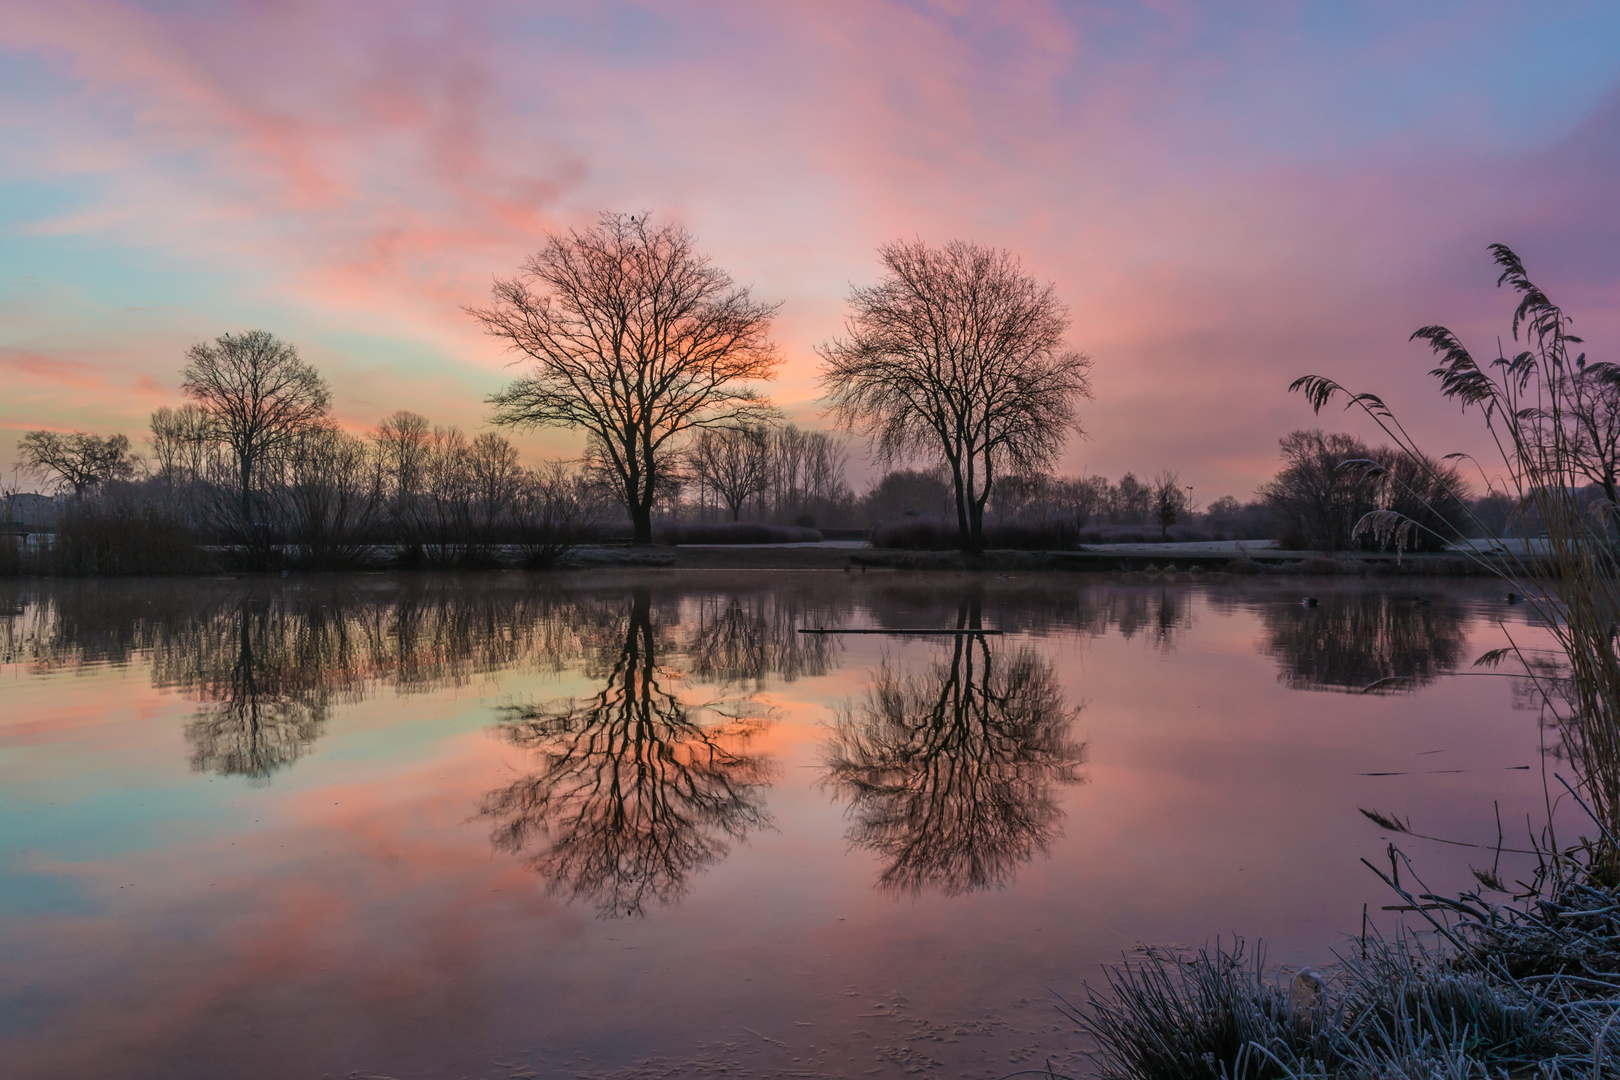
1192,558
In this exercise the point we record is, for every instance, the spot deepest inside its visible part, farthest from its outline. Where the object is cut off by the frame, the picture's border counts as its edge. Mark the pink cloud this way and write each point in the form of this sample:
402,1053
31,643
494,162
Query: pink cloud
1217,220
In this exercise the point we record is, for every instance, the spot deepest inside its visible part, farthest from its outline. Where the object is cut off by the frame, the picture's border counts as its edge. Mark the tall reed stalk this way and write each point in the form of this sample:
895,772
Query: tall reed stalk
1538,405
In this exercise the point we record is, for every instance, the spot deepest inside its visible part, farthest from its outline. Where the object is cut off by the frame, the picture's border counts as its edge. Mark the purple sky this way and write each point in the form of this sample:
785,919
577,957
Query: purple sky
1225,195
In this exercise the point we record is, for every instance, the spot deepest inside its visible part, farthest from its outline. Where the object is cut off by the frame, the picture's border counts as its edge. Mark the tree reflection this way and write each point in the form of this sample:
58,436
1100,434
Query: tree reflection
634,793
1365,641
749,637
950,774
264,708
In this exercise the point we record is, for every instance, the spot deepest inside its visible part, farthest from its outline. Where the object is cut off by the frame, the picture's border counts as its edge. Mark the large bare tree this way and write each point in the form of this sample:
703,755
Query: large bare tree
260,397
958,353
638,339
78,460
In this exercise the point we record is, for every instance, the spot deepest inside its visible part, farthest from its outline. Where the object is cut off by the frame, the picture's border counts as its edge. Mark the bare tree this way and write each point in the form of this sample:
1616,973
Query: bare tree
404,441
1594,396
496,476
958,352
330,495
806,476
1330,481
1130,501
77,460
259,395
1171,502
638,339
180,440
733,463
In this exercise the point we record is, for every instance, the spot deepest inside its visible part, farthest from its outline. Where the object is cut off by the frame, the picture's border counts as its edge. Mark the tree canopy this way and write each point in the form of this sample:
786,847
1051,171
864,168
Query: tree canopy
958,353
77,460
638,339
259,395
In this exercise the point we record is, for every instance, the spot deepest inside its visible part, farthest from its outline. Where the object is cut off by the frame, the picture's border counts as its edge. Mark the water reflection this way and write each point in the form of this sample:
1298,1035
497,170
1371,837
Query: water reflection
741,638
265,705
635,790
950,773
1041,605
1365,640
269,665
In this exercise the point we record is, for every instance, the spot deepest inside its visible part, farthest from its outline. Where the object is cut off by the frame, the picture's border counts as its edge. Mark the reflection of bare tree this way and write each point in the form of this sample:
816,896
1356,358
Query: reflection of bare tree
1354,640
748,637
634,793
267,706
950,774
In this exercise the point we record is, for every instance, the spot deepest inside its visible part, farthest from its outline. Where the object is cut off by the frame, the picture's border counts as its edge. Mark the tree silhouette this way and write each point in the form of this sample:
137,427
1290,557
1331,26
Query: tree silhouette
259,397
638,339
950,774
633,793
958,353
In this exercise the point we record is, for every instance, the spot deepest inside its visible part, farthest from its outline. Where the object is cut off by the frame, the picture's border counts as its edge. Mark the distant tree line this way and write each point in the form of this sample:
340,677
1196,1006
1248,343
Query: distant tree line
954,367
254,470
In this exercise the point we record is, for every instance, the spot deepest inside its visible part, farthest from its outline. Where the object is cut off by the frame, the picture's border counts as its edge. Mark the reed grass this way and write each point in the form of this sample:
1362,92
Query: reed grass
113,536
1530,988
1537,406
1389,1009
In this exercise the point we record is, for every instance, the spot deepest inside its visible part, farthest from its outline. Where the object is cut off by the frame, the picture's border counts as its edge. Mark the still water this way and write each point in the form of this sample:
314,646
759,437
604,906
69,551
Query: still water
637,824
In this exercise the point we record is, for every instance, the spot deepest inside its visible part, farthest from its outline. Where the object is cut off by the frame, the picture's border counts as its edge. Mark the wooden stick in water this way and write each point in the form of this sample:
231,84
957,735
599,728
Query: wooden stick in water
952,633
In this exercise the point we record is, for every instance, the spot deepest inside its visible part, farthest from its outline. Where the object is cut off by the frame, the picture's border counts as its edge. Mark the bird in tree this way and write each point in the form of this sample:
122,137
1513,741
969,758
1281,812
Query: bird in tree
636,338
958,353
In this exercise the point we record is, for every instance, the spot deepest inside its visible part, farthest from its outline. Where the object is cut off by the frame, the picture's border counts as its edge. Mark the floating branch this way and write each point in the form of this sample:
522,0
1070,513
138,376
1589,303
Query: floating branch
950,633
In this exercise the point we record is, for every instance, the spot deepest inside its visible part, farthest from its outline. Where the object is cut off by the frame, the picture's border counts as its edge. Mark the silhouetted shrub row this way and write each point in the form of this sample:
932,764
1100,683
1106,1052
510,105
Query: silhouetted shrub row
112,535
732,532
931,534
1140,534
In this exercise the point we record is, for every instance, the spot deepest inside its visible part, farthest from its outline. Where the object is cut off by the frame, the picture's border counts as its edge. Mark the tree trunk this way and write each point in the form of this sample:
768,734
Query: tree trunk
978,501
964,527
247,493
641,524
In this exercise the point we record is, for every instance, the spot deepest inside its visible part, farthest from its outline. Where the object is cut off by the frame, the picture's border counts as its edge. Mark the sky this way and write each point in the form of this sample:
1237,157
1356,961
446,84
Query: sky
1225,195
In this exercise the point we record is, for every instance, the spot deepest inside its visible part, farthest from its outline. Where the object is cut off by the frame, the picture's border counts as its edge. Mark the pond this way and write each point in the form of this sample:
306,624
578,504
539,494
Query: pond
637,824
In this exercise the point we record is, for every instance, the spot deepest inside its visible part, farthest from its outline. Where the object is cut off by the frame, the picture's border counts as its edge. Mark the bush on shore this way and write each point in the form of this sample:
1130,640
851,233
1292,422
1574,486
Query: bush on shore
733,532
931,534
117,536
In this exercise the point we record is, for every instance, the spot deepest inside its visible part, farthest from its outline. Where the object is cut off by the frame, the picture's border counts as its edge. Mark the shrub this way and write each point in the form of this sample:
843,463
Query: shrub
931,534
917,534
1032,536
118,536
733,532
